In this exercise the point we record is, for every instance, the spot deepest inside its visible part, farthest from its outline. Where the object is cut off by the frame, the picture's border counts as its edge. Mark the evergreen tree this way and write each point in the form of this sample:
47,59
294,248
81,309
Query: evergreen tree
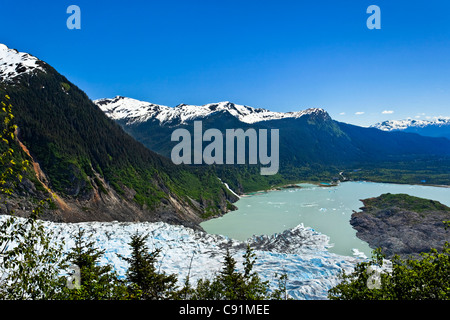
98,282
425,278
230,284
231,281
144,281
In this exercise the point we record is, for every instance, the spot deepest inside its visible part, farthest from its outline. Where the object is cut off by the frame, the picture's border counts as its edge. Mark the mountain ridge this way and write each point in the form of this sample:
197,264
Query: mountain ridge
137,111
99,171
313,146
14,63
437,127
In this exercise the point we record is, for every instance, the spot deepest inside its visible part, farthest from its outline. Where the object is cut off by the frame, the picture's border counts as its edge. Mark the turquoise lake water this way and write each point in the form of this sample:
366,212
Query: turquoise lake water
325,209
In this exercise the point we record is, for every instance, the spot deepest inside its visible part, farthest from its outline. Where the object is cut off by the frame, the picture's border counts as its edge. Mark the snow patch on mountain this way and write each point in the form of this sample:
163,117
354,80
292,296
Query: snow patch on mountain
14,63
136,111
395,125
228,187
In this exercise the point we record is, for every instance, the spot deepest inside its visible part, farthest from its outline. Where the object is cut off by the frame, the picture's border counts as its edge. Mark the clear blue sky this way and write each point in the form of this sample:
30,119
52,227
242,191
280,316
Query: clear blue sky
279,55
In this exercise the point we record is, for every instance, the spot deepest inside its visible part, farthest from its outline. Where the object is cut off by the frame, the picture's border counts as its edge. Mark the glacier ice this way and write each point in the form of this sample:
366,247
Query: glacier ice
300,252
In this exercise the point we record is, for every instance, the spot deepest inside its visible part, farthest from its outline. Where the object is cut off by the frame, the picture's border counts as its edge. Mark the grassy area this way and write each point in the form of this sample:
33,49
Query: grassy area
405,202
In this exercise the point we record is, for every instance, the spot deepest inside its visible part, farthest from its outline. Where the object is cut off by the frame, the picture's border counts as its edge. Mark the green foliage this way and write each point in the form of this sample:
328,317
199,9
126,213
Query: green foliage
98,282
11,170
420,171
82,145
405,202
230,284
426,278
29,262
65,86
316,148
144,281
31,265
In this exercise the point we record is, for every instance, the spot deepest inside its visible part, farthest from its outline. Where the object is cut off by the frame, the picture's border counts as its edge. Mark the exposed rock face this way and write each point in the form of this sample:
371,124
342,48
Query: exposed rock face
98,206
86,164
402,224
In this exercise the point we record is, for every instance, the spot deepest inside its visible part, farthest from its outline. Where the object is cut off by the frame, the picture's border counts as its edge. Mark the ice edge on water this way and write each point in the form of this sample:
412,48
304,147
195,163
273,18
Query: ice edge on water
300,252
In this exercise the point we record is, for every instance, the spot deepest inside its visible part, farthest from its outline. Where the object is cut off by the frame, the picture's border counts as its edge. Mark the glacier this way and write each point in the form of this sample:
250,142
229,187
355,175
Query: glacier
301,253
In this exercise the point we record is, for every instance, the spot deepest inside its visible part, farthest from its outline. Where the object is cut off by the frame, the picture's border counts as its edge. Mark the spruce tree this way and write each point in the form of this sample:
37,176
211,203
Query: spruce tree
424,278
144,280
98,282
231,281
230,284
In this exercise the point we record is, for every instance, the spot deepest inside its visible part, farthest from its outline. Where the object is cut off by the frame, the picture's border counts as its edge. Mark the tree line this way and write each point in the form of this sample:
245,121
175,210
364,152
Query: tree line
31,264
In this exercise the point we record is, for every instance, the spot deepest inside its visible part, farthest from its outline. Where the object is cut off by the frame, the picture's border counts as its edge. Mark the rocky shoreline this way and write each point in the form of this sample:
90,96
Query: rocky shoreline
402,224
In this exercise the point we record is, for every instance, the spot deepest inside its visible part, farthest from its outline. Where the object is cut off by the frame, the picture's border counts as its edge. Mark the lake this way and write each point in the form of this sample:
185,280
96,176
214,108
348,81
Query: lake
325,209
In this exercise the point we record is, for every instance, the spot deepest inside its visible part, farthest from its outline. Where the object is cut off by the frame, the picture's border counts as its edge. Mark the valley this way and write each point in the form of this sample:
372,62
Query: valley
107,166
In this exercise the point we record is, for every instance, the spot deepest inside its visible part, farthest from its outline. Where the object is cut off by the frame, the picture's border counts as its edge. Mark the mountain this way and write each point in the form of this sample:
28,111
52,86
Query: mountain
438,127
93,168
14,64
135,111
312,146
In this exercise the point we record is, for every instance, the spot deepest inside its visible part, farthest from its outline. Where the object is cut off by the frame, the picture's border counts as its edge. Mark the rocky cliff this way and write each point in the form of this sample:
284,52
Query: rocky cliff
402,224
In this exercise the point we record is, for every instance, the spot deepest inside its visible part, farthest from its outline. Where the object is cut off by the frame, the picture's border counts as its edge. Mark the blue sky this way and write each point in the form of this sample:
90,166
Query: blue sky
279,55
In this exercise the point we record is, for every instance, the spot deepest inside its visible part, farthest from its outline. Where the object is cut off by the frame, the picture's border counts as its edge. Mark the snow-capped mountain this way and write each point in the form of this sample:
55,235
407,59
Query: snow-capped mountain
136,111
14,63
391,125
305,137
54,116
438,127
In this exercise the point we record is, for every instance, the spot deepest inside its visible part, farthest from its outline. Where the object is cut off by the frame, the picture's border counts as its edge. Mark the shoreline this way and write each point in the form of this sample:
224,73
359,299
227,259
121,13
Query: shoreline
332,184
397,188
295,185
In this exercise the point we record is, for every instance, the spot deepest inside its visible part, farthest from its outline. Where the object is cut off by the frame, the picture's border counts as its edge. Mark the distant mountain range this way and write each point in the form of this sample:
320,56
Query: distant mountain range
80,151
438,127
136,111
312,145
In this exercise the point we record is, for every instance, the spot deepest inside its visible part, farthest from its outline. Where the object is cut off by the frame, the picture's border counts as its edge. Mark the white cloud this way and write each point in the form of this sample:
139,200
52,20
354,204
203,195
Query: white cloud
388,112
342,113
419,115
359,113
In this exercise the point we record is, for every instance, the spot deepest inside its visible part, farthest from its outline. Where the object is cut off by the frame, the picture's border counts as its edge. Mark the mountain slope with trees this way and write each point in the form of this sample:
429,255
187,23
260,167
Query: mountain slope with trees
95,169
313,146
